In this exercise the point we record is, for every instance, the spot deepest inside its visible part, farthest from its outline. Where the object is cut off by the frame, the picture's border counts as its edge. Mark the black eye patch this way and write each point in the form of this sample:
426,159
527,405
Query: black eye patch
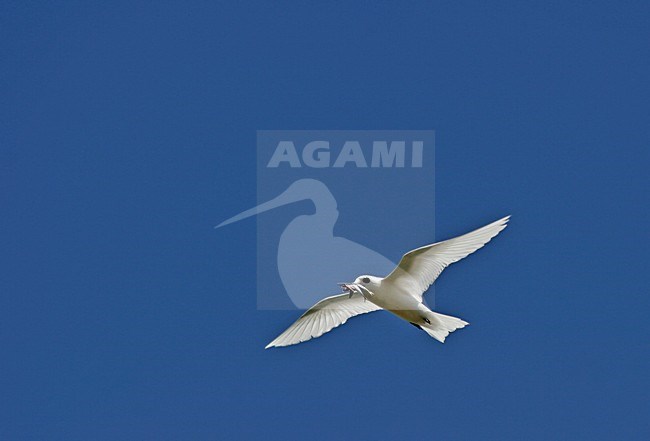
365,280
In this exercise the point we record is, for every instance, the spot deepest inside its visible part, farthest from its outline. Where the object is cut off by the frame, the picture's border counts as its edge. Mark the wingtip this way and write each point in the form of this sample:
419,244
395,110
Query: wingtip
504,220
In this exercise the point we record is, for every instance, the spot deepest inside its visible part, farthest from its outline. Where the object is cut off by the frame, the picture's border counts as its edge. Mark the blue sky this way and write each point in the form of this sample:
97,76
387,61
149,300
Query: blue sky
128,131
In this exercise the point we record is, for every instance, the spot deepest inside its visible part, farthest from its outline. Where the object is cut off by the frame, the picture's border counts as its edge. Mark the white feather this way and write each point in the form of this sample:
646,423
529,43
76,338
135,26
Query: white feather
420,267
323,317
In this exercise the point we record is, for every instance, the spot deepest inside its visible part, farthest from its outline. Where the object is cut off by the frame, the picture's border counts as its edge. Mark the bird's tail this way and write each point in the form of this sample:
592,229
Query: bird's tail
441,325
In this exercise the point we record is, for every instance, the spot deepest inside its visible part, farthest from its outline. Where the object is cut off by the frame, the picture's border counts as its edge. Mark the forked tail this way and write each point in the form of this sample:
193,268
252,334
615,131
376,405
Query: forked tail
441,325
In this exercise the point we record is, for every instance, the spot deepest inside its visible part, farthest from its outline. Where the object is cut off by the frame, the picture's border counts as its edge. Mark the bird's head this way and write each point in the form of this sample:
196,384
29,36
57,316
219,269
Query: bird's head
369,282
364,285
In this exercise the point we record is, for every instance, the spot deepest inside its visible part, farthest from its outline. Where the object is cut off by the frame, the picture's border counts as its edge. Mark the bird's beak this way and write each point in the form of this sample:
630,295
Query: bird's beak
355,288
284,199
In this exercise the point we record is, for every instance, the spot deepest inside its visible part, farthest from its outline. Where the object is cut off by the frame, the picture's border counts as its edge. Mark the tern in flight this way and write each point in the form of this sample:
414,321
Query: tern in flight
400,292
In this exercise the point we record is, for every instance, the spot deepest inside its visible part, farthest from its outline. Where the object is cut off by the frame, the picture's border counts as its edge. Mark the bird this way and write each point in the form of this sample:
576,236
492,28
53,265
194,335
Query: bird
308,252
401,292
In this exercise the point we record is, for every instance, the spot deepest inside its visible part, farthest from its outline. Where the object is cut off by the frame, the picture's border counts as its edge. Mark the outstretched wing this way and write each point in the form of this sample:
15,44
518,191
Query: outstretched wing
323,317
419,268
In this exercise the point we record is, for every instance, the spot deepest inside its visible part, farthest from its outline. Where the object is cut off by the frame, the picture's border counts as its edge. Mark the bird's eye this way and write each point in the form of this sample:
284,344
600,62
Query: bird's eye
365,280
